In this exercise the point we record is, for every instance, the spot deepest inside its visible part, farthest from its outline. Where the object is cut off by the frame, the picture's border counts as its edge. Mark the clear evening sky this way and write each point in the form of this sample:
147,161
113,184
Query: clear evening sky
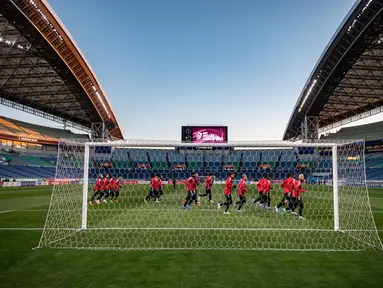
168,63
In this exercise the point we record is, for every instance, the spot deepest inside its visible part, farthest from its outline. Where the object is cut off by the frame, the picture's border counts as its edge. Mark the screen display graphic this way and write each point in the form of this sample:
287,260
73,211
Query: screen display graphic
204,134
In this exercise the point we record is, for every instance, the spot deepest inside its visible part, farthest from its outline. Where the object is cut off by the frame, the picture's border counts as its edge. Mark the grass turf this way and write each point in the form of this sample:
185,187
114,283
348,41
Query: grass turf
23,267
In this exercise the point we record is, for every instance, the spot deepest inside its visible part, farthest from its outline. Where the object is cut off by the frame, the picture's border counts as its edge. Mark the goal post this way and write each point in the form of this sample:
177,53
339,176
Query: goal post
333,215
85,187
335,186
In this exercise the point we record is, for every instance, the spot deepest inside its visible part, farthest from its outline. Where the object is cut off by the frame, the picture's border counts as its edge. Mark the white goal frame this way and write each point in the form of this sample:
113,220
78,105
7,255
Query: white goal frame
259,145
337,208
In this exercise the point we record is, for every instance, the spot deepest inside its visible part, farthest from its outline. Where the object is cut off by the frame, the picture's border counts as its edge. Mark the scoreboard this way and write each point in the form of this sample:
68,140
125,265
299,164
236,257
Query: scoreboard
204,134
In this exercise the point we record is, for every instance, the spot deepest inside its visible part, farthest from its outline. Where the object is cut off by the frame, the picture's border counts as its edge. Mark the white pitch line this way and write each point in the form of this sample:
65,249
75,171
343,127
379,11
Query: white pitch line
155,228
30,210
6,211
33,229
169,228
134,210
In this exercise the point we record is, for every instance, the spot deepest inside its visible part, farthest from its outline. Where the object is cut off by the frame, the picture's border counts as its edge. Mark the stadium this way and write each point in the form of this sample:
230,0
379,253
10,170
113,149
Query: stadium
52,220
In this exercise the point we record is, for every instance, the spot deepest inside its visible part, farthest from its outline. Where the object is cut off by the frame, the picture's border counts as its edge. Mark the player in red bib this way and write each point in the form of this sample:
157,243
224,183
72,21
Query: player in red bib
296,197
287,185
96,190
191,186
260,191
112,182
117,186
208,185
151,190
266,188
105,191
157,188
227,192
242,191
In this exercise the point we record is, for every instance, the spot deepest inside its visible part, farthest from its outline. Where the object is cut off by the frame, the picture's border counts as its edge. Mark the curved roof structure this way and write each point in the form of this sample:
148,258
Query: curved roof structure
42,70
347,82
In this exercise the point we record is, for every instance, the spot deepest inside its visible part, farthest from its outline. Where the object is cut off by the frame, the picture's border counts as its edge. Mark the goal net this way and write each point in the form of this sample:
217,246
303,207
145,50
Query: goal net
158,197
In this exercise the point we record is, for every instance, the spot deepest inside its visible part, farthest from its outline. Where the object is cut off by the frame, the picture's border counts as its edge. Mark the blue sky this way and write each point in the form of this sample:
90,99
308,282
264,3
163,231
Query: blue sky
168,63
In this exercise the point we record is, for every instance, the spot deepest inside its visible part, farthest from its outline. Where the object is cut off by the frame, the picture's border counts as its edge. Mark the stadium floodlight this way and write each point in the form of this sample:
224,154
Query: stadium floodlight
140,212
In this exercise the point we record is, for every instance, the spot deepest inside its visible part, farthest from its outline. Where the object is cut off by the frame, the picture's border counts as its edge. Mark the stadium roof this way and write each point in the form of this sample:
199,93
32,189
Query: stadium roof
42,70
368,132
347,82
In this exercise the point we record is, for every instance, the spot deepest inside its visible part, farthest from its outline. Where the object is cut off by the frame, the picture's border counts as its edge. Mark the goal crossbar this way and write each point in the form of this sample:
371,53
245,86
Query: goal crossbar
236,144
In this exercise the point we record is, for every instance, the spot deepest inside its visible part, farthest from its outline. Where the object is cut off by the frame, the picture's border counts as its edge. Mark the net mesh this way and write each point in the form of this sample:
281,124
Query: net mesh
134,215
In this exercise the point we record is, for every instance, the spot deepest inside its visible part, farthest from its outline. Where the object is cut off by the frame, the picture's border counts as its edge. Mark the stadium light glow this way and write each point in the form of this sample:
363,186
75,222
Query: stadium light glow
12,43
359,15
46,20
102,102
307,94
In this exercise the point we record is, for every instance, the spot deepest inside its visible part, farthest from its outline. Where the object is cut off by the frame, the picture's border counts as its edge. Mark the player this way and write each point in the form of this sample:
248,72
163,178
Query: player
174,183
191,186
96,190
260,192
151,191
228,189
208,185
287,186
157,188
105,190
266,188
197,200
242,191
296,198
117,186
112,183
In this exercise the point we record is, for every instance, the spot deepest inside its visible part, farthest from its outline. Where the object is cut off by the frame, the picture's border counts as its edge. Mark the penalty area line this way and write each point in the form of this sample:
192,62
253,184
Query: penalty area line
154,228
6,211
34,229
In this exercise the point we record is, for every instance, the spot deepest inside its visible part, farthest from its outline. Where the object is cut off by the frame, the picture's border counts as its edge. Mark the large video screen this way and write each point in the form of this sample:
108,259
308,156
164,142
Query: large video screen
204,134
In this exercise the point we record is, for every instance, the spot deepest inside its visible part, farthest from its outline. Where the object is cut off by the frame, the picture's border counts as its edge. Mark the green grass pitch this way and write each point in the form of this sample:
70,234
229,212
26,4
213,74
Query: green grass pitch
23,212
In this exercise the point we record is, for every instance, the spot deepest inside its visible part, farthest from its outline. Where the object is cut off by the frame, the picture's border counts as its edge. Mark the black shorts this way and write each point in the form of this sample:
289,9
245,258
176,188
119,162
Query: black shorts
208,191
297,200
228,197
192,193
287,197
242,197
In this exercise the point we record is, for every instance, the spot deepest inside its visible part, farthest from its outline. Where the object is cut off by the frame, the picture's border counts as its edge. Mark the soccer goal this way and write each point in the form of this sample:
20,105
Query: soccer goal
128,195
